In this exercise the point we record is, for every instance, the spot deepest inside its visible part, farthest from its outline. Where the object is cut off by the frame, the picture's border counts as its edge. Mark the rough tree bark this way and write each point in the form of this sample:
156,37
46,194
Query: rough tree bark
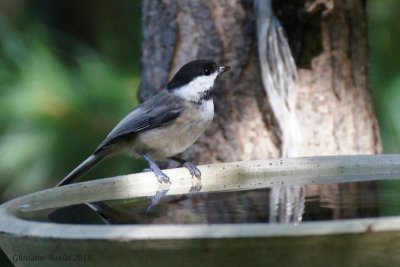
333,101
328,40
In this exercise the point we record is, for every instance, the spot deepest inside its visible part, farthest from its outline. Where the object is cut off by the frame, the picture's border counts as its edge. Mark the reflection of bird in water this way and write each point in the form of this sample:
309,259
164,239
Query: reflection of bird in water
221,207
355,200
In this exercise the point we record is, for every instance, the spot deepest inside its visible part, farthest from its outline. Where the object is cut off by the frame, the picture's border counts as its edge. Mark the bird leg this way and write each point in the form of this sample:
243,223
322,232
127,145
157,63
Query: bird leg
161,177
194,171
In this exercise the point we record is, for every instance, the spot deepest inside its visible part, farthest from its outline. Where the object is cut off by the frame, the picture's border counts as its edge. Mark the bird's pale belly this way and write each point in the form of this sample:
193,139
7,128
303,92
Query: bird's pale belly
172,139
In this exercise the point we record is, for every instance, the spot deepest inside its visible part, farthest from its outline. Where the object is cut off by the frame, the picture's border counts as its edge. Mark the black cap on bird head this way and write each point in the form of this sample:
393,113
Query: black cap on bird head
194,69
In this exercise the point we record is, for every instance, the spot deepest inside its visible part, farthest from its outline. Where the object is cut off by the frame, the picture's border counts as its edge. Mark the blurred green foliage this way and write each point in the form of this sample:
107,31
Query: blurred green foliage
54,112
384,41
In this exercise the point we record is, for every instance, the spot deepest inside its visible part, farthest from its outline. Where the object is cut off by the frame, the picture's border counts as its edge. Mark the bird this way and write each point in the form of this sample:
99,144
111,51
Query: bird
164,125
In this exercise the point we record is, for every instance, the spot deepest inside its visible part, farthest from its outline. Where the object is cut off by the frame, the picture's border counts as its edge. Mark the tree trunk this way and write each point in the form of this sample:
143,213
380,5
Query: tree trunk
328,41
334,104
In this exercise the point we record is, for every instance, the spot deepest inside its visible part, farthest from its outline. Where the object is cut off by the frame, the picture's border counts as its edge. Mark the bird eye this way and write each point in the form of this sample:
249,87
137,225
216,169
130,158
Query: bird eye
207,71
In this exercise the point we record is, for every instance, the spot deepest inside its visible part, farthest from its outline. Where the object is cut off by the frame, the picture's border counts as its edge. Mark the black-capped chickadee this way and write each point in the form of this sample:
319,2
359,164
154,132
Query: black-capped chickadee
164,125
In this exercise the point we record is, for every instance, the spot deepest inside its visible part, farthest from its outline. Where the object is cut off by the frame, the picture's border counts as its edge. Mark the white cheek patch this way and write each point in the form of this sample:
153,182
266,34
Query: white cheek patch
194,89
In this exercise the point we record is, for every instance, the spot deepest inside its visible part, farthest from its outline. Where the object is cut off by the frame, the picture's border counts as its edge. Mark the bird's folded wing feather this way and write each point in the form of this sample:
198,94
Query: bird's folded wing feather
152,113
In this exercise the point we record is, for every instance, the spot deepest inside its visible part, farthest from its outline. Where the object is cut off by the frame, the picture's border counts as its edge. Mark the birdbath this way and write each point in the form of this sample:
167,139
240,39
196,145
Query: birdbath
251,213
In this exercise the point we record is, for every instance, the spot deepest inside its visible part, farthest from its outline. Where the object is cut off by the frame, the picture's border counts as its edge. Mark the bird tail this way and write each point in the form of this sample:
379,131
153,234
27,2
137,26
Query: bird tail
85,166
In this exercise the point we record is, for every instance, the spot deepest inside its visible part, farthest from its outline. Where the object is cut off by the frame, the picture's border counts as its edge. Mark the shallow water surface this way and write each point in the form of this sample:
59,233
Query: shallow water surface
279,204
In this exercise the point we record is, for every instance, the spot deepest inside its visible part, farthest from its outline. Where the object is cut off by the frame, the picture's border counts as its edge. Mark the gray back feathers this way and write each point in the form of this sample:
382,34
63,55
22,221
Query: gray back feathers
159,110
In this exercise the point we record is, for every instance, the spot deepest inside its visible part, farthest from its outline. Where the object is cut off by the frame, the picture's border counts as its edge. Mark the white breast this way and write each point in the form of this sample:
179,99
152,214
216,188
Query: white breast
207,110
174,138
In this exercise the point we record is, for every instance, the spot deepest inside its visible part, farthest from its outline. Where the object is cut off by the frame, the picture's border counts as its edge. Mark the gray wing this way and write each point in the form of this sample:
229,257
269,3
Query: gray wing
156,111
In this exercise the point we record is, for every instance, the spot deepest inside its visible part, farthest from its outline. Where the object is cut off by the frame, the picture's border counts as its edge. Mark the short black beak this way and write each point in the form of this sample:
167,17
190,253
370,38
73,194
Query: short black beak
222,69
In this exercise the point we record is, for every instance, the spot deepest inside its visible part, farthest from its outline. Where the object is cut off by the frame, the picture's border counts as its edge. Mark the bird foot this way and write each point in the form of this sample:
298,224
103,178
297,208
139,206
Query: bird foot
194,171
161,177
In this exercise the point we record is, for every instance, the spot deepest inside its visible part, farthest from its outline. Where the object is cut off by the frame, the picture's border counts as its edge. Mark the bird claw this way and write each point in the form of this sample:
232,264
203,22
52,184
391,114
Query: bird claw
194,171
162,177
